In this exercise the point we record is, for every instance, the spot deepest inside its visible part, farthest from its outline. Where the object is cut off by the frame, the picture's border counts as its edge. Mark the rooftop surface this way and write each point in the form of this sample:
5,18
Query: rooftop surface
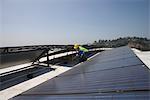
117,74
144,56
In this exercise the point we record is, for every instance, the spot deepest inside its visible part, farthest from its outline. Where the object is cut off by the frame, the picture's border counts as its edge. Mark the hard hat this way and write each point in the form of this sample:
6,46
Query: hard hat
76,46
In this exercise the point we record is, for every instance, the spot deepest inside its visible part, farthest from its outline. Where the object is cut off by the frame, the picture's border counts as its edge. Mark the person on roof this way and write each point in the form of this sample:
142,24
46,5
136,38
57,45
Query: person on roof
82,52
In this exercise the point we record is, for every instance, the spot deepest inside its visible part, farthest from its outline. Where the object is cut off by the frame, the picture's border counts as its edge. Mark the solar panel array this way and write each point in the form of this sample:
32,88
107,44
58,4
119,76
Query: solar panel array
117,74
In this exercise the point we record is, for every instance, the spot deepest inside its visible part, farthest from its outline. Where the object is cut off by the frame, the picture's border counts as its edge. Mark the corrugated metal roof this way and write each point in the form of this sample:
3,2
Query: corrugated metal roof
117,74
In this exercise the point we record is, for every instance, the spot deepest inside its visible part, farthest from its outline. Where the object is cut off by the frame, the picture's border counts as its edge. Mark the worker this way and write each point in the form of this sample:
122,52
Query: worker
82,52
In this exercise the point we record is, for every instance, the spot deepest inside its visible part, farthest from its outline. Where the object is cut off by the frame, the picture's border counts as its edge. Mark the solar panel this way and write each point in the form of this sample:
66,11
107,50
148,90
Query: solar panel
112,75
16,58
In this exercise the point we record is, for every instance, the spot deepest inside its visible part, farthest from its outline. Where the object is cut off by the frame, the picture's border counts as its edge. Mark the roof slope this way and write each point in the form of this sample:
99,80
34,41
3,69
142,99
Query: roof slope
117,74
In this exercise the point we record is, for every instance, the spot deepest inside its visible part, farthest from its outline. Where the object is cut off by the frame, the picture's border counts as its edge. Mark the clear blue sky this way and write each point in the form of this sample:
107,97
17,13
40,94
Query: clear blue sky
33,22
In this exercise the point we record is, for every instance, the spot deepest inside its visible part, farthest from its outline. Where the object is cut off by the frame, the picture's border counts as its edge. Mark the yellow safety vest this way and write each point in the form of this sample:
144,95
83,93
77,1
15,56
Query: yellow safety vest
83,49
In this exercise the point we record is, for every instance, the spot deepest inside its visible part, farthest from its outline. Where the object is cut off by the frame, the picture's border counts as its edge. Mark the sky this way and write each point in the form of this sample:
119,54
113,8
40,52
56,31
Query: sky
47,22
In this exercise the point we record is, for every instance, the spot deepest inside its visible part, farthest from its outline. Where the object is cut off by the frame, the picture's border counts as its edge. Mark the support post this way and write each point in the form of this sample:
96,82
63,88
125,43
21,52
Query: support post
47,58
